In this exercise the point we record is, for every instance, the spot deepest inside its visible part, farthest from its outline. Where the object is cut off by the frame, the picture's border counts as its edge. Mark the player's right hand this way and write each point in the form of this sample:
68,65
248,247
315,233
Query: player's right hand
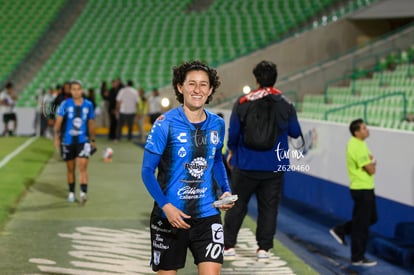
175,216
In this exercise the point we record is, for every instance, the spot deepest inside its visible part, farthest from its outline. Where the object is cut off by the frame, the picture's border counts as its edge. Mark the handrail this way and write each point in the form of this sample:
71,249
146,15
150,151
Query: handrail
353,77
350,51
353,50
366,102
328,83
377,56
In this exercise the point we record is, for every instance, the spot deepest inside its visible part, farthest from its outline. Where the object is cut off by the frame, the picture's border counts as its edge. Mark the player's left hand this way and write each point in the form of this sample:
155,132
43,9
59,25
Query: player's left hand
226,207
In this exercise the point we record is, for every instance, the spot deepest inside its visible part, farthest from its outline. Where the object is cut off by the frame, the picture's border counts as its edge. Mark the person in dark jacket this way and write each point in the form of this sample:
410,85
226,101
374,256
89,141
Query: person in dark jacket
258,171
113,119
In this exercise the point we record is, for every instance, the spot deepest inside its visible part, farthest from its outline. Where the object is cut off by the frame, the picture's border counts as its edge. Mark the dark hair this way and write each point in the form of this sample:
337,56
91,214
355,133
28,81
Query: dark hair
355,125
130,83
9,85
180,72
76,82
265,73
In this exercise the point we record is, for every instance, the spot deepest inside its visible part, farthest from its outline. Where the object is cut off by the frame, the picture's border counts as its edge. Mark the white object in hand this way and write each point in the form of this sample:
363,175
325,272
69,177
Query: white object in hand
225,200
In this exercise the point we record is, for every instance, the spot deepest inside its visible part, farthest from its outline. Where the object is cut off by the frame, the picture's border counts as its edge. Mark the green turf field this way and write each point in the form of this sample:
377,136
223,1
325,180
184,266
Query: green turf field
20,171
109,235
7,145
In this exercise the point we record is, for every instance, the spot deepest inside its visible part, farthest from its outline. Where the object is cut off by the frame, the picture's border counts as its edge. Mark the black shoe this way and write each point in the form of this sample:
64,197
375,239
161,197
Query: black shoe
339,237
364,262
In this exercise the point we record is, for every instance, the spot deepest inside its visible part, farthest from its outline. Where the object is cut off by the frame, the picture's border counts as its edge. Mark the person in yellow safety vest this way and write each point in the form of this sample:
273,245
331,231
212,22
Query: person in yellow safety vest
142,112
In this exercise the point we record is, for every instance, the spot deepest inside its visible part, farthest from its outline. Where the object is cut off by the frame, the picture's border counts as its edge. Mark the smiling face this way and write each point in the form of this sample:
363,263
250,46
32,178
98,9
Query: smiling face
195,89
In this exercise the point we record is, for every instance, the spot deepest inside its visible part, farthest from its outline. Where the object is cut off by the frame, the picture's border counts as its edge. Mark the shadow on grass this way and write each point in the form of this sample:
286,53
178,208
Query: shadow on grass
37,208
56,190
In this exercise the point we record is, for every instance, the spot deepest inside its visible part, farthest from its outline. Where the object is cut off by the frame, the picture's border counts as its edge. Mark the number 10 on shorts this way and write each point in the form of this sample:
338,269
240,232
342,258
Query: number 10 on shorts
215,248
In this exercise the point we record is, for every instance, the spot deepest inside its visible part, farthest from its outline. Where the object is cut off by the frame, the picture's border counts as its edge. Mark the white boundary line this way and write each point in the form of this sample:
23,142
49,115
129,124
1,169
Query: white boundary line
7,158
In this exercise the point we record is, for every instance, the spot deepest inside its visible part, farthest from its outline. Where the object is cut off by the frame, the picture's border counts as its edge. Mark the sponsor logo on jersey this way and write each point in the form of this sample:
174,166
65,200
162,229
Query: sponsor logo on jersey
191,193
182,152
76,129
197,167
182,137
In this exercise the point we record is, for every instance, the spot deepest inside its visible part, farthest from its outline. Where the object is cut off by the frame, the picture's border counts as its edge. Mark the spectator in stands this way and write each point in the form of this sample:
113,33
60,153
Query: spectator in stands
361,166
8,99
127,102
64,93
105,103
185,145
40,119
116,85
48,112
75,133
91,97
142,114
255,171
154,105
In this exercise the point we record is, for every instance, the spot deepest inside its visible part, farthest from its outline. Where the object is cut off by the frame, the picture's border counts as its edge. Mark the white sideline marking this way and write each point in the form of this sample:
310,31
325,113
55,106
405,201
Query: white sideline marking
7,158
104,251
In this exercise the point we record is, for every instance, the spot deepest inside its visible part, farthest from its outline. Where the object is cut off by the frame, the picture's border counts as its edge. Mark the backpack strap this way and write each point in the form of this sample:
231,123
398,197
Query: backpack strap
287,108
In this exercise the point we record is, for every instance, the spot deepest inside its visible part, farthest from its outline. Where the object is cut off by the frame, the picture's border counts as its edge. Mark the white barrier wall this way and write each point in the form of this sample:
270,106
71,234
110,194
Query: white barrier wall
324,156
25,121
393,149
325,153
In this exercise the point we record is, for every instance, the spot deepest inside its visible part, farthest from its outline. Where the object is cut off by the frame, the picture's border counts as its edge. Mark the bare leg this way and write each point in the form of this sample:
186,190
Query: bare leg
70,168
83,170
167,272
209,268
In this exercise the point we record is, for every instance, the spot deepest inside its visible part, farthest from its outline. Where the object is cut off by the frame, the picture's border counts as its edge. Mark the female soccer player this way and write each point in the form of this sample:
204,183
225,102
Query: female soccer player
185,145
75,133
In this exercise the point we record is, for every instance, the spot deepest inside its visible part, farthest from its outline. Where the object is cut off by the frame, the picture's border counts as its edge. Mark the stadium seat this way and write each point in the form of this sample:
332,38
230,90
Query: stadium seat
102,45
23,22
386,80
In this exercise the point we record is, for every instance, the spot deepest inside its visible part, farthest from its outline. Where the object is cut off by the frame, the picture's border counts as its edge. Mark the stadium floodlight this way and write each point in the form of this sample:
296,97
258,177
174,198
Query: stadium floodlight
246,89
165,102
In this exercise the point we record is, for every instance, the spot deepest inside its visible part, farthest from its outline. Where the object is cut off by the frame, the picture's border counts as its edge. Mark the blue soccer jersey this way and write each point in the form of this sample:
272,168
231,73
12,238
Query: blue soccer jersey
75,126
188,156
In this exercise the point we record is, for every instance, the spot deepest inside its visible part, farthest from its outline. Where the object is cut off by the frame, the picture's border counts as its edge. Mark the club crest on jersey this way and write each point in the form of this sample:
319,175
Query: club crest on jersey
217,232
214,137
197,167
157,255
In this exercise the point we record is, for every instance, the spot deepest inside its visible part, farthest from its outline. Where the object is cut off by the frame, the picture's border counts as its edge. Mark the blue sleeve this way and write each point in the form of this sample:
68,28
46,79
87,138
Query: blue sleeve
220,174
219,170
149,165
234,129
294,128
158,137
